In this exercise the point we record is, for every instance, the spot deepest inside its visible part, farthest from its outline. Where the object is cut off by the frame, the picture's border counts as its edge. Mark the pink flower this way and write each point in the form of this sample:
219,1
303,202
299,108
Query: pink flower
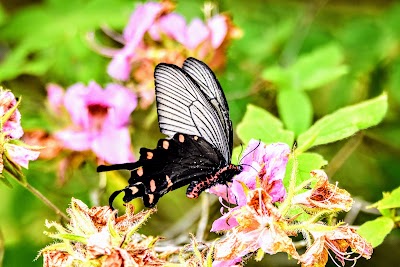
55,97
267,163
324,195
259,226
20,155
264,162
140,22
338,241
11,117
10,127
194,34
100,120
156,20
218,30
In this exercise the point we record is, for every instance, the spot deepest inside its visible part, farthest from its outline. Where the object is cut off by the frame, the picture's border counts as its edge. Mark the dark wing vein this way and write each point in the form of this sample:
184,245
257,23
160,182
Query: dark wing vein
183,107
211,87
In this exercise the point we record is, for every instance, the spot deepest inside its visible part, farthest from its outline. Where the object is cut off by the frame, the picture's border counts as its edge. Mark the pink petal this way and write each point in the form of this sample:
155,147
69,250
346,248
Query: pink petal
75,103
222,191
277,192
141,20
239,193
114,146
121,102
75,140
219,29
173,25
55,96
196,33
253,153
225,222
21,155
276,157
13,129
12,126
227,263
120,66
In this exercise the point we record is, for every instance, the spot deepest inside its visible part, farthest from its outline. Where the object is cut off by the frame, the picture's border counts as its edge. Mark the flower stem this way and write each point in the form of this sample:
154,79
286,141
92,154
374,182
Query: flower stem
45,200
292,186
204,217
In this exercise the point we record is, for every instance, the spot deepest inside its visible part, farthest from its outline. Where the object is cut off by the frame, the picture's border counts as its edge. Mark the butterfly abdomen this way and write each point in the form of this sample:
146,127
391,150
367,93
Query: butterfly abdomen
222,176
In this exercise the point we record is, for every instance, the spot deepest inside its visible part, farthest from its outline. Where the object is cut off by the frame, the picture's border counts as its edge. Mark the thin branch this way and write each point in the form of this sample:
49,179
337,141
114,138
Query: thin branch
205,208
186,221
344,153
45,201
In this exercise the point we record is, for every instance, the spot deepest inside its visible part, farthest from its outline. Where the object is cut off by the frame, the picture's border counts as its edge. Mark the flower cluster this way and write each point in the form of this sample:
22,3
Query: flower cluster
97,237
266,217
14,153
100,119
156,34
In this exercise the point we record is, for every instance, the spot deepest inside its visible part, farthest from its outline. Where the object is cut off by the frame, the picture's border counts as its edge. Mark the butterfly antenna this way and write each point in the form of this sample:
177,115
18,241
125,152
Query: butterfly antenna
112,197
259,142
123,166
239,159
249,166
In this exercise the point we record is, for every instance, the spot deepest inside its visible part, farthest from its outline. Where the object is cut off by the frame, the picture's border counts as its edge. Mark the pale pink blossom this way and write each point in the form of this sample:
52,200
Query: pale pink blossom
264,162
338,241
140,22
55,97
324,195
100,121
11,122
157,20
259,226
11,130
20,155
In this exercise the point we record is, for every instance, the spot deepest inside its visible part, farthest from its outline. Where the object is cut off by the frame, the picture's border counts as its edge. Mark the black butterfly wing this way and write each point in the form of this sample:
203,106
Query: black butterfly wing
184,107
210,86
182,160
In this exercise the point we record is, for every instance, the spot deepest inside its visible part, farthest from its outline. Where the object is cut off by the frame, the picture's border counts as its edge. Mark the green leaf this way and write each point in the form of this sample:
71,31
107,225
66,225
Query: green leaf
389,201
375,231
311,71
320,67
306,163
344,123
5,181
295,109
261,125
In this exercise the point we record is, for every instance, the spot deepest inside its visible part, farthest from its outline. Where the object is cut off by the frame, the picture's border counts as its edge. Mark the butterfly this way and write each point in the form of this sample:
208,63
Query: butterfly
194,114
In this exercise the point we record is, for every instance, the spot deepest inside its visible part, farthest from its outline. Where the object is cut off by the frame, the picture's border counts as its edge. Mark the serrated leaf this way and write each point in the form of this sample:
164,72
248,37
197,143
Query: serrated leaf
310,71
259,124
344,123
306,162
295,109
389,201
375,231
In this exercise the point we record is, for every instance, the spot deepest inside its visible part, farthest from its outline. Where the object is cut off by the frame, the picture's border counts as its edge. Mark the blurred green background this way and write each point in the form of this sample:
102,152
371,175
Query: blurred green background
46,41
